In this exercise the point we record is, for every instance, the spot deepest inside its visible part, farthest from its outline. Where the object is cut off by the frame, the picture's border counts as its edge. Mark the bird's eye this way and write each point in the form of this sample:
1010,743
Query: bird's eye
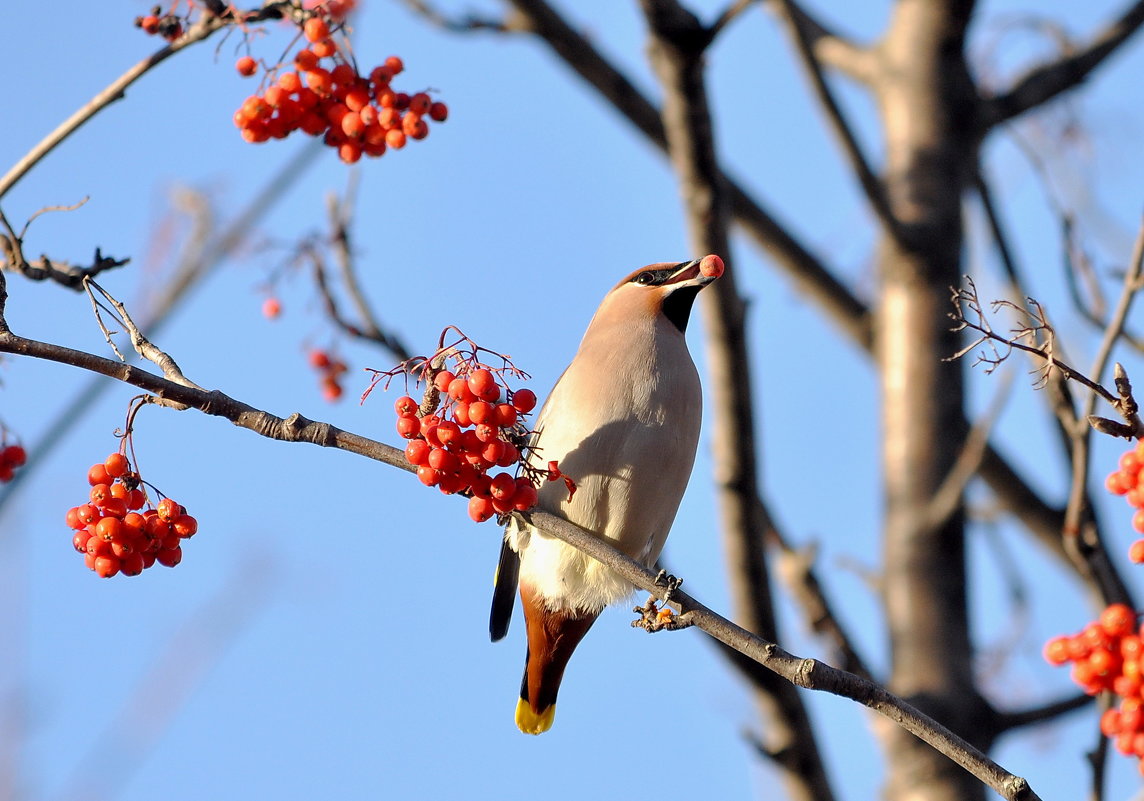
645,278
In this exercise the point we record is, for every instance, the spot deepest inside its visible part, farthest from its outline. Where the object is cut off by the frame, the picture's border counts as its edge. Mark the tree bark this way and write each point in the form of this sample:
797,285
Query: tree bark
927,103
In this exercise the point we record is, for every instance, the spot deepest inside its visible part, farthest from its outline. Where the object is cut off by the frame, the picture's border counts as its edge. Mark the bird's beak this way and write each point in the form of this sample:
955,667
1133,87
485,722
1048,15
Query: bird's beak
687,274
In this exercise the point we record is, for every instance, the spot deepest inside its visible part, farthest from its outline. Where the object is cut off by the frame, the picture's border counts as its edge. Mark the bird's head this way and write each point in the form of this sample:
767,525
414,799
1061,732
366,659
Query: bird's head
666,289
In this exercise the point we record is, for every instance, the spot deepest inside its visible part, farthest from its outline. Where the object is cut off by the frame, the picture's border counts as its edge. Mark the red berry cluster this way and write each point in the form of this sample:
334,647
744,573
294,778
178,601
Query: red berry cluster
470,432
1128,480
111,532
1108,654
11,457
169,26
330,370
354,113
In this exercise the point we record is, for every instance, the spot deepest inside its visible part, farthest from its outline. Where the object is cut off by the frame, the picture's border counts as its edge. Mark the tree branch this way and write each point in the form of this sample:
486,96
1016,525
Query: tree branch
806,673
1049,80
873,187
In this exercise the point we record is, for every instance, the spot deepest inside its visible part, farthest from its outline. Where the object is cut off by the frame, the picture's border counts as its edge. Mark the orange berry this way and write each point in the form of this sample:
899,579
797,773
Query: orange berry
353,127
168,510
305,60
417,452
525,496
414,127
480,509
246,66
1118,620
357,99
315,29
289,82
419,103
1130,463
185,526
427,475
524,400
344,75
271,308
98,475
169,557
1138,521
408,427
405,406
116,465
395,139
324,48
394,65
106,566
320,81
1116,483
1136,552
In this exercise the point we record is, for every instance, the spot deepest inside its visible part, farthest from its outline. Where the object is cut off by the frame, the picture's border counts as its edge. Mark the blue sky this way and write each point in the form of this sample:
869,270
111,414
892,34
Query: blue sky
326,632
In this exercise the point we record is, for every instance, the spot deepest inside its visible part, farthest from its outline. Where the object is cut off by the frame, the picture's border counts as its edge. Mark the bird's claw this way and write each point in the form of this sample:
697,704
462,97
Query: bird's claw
670,582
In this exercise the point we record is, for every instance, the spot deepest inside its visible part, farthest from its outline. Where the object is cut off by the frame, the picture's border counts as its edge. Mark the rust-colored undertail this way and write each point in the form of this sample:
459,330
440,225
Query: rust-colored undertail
552,637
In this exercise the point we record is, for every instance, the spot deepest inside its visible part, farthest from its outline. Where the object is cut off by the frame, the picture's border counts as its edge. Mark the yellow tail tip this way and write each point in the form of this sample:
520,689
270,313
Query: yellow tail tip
531,723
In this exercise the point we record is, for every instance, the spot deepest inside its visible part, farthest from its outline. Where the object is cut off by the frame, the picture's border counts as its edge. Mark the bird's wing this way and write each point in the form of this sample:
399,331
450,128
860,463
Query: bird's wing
504,592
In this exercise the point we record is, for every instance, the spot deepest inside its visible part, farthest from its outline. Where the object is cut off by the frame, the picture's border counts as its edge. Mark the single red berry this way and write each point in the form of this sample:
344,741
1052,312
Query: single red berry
110,529
481,412
405,406
87,514
106,566
711,266
461,414
481,382
417,452
459,391
503,486
1116,483
427,475
315,29
1130,463
1118,620
169,557
449,432
1138,521
408,426
525,496
443,379
395,139
168,510
510,455
443,460
394,65
98,475
132,564
246,66
15,455
438,112
505,415
79,541
1136,552
186,526
480,509
524,400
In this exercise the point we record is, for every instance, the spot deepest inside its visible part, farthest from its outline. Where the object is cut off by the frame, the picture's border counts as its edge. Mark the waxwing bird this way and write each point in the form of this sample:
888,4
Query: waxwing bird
623,424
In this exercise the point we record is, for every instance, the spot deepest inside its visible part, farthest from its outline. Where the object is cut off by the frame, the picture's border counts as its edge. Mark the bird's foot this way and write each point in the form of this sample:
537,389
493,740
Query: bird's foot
652,616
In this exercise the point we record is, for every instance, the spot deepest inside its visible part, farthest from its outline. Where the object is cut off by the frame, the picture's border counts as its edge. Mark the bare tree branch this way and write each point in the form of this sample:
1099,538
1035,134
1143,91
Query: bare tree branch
873,187
1008,721
1049,80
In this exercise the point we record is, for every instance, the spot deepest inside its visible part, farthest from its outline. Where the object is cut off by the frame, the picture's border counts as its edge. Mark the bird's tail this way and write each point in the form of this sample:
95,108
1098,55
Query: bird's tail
552,637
